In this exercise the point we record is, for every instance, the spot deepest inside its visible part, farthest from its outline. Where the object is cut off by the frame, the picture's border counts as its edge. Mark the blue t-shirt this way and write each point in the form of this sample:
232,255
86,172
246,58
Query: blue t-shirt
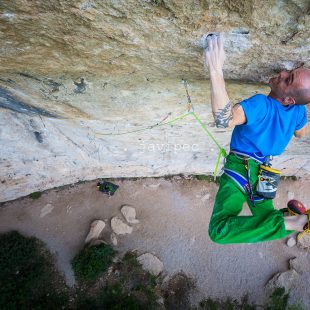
269,125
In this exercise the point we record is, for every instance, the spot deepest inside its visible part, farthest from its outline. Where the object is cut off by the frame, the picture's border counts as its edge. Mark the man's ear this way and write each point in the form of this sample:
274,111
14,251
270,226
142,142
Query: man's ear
288,100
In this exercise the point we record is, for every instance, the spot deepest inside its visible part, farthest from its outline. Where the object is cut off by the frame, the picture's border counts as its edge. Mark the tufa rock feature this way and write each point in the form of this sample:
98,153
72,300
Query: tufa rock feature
151,263
119,227
129,214
96,229
282,279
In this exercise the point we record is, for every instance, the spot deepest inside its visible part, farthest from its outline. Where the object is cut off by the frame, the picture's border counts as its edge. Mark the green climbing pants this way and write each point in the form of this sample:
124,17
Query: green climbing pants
226,226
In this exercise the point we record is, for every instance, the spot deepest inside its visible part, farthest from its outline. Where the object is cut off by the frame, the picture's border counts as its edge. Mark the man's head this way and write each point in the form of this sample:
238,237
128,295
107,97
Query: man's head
291,87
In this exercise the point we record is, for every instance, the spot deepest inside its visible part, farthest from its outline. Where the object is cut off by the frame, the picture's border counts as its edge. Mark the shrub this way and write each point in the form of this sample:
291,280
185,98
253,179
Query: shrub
27,276
35,195
92,261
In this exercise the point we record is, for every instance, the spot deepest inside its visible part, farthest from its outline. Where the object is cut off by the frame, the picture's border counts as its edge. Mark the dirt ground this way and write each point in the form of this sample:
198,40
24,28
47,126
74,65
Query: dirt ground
174,216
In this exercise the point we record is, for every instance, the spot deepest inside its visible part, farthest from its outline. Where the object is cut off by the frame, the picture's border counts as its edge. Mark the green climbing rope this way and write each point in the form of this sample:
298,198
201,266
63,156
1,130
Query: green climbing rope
222,152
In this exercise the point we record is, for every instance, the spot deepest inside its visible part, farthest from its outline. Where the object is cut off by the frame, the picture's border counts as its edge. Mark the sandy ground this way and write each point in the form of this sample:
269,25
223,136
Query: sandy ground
174,215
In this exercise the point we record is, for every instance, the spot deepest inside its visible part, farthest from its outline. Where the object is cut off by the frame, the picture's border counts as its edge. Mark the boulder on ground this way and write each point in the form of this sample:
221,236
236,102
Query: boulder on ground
151,263
284,279
129,214
290,242
119,227
96,228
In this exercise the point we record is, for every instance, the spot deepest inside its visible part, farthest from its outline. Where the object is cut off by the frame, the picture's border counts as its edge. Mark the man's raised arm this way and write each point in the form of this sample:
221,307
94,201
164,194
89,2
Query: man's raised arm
224,114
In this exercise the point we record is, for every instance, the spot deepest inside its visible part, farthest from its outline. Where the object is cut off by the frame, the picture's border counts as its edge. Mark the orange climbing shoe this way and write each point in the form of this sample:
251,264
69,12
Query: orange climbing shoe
306,227
295,207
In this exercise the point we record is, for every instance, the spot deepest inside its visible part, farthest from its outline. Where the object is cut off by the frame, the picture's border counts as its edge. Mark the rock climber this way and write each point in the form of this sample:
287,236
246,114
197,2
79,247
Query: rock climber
263,126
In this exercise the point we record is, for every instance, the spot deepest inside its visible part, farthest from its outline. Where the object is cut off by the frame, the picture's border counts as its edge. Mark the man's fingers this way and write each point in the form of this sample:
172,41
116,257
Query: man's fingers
210,43
207,56
220,42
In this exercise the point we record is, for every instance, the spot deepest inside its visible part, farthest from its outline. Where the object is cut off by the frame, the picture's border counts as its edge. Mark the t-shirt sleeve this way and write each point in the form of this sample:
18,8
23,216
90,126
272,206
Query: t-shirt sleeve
302,118
254,108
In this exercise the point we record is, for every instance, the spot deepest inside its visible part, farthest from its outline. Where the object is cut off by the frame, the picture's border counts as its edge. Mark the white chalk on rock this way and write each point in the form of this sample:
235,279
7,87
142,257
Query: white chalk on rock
129,214
151,263
290,242
96,228
119,227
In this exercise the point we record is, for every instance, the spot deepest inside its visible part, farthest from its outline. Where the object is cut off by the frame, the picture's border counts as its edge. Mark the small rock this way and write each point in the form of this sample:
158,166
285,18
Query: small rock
151,263
113,239
291,242
205,197
119,227
96,228
129,214
297,264
285,279
160,301
48,208
304,241
290,195
151,185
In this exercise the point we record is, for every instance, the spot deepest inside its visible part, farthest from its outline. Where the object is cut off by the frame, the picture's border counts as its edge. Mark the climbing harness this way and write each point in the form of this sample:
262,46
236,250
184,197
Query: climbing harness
268,178
190,109
243,183
257,156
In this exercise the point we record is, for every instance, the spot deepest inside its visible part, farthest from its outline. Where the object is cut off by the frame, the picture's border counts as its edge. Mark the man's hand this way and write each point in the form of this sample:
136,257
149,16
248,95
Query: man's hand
224,114
214,53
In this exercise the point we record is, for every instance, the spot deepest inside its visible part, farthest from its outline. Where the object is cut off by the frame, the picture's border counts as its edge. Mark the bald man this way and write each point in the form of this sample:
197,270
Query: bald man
263,126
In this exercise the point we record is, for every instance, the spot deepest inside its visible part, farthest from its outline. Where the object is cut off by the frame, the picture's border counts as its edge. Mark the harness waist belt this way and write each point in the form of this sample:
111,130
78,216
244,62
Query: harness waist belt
257,156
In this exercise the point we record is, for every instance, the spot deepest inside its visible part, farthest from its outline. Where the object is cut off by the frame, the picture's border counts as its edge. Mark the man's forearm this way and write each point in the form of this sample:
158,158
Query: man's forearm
221,105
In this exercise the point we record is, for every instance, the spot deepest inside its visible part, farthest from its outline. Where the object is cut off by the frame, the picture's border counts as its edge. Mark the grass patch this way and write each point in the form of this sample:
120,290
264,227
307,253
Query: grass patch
209,178
28,279
35,195
92,261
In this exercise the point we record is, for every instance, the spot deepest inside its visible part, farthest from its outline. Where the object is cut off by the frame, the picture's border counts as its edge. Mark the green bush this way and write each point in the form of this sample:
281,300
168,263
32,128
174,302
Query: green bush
92,261
112,298
35,195
27,276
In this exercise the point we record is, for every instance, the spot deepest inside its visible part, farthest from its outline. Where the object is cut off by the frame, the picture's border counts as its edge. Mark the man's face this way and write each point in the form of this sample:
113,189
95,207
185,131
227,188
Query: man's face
287,82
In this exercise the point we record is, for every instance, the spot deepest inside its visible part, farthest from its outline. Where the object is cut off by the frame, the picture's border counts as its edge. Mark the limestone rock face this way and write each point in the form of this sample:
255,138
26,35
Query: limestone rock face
154,37
84,82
